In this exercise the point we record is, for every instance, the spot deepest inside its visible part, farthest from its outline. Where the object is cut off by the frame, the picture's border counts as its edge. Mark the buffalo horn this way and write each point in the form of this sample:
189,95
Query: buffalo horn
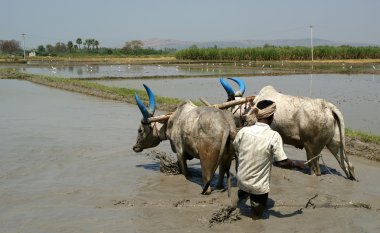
152,101
145,112
227,87
241,86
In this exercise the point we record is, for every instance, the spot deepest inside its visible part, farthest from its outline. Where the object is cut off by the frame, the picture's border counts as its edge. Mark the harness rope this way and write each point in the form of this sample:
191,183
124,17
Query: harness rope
157,132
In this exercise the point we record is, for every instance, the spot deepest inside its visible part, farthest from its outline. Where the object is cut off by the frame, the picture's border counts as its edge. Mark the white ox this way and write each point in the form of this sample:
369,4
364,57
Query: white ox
308,123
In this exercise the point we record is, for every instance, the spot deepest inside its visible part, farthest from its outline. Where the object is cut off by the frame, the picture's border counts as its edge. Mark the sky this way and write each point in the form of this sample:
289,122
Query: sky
114,22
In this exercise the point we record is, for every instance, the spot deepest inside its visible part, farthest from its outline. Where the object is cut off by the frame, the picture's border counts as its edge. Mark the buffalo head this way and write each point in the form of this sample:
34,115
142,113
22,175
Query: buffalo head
148,133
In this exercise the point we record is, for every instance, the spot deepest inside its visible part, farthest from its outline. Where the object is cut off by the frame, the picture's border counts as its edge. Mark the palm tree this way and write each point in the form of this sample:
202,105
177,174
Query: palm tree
88,43
92,44
70,45
79,42
97,45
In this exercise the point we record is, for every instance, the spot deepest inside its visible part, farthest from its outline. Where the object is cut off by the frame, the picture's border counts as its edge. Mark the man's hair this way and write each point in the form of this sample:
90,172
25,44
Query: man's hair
263,104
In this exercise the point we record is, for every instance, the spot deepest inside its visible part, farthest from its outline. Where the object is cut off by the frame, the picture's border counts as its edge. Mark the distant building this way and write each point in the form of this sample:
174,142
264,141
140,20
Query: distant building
32,53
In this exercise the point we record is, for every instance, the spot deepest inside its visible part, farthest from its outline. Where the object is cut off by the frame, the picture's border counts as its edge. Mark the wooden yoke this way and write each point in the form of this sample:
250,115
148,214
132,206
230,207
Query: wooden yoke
224,105
232,103
164,117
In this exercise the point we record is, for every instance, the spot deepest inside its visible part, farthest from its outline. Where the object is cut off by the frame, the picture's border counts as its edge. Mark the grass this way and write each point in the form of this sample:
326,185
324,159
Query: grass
362,136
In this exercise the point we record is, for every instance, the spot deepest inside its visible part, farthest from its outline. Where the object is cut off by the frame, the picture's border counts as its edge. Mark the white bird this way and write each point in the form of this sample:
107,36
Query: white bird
374,67
263,65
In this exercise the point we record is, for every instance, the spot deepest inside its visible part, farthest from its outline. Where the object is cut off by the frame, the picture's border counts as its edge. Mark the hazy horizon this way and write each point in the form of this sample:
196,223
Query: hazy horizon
114,22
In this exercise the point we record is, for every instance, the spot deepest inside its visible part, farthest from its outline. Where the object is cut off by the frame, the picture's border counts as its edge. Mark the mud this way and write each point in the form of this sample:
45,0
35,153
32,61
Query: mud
368,150
67,165
168,164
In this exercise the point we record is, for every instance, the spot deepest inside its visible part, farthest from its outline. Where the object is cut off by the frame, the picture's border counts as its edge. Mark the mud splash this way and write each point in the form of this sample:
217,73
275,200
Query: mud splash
168,164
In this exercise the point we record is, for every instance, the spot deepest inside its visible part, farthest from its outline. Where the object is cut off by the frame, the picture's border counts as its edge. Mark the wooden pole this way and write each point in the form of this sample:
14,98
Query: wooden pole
232,103
205,102
160,118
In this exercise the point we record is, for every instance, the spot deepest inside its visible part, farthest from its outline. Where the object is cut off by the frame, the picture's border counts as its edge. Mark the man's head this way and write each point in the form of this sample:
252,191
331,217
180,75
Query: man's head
265,111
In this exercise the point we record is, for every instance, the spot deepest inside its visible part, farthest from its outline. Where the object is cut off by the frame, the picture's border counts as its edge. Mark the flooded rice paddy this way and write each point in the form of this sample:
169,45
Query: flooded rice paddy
357,96
129,71
67,165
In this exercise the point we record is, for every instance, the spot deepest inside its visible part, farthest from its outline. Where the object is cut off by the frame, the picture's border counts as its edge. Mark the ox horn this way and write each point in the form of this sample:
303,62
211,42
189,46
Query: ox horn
152,104
227,87
241,86
230,91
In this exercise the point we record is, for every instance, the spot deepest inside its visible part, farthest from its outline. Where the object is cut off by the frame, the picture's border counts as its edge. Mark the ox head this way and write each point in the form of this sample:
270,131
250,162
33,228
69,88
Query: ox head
148,135
230,92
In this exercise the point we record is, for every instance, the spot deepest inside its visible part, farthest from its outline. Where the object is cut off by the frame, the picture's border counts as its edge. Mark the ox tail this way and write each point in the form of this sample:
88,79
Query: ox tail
220,157
349,168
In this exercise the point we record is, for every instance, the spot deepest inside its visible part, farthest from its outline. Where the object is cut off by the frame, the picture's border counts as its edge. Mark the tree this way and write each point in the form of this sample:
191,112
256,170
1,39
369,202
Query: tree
41,49
87,42
60,47
70,46
50,48
96,43
10,46
133,45
79,42
92,41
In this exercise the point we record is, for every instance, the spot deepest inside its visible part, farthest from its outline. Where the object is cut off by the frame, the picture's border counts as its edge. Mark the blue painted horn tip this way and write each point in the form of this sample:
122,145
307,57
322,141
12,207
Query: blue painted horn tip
234,79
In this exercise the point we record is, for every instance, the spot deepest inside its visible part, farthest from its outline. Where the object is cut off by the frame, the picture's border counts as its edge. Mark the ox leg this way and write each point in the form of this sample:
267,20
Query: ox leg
209,163
314,164
224,168
347,167
181,160
207,174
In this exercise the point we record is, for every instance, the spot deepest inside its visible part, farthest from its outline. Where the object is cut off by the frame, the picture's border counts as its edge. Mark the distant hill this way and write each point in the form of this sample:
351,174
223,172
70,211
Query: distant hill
178,44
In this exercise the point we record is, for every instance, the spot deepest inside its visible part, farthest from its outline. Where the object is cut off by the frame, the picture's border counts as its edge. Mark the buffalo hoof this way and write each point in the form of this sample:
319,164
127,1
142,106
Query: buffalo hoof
207,192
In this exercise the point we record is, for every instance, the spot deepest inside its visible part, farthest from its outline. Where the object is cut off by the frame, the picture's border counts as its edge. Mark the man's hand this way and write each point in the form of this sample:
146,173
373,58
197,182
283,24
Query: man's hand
288,163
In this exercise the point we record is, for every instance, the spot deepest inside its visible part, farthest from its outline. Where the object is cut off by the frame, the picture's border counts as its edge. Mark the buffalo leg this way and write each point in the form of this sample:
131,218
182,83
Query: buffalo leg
181,160
314,164
347,167
224,168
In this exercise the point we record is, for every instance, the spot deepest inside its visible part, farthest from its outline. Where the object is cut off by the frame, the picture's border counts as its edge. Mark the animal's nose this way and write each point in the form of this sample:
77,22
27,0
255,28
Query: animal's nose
137,148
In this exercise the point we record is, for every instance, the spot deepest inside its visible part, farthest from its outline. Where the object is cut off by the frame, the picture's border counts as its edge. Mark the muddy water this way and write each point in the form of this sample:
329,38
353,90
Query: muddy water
357,96
67,166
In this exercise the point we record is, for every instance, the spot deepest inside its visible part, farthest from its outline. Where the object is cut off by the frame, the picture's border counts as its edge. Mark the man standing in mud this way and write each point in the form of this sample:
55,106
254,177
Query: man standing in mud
256,147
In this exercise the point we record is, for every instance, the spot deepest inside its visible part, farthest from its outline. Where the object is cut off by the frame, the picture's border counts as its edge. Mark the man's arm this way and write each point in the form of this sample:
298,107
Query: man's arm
289,164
